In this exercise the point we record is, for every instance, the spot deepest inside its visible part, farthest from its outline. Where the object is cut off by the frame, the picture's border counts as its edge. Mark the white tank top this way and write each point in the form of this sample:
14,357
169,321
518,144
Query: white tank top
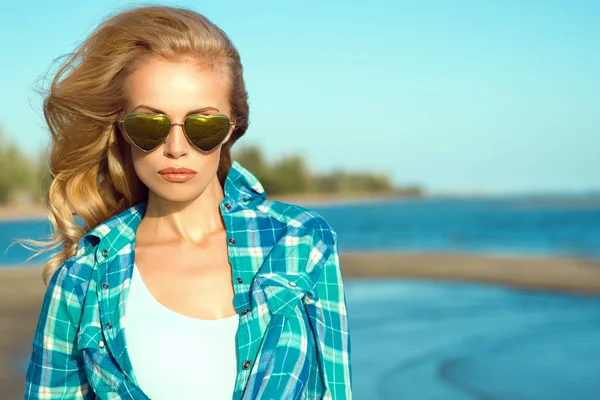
175,356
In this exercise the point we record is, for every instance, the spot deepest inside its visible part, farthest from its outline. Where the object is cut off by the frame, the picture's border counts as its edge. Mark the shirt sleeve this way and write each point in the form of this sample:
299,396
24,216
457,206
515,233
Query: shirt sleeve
330,325
56,369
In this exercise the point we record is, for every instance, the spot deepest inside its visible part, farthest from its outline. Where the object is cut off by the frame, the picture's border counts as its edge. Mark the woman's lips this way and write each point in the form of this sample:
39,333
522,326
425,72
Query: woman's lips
176,170
177,177
177,174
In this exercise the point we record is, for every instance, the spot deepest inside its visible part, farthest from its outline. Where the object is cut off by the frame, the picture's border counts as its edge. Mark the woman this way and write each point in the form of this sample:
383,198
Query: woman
186,281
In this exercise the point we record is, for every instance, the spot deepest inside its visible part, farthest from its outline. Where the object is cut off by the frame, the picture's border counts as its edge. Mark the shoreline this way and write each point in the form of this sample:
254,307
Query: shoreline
28,212
310,200
22,213
33,212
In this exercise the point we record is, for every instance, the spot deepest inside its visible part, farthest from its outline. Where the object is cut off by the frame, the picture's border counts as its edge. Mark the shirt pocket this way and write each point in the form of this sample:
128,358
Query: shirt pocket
100,369
285,291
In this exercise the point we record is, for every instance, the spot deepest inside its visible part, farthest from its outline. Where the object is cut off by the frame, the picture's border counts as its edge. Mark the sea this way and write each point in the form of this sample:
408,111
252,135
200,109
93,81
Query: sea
417,339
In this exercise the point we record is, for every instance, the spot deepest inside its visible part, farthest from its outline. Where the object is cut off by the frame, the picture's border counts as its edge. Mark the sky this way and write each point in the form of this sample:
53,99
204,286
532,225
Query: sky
456,96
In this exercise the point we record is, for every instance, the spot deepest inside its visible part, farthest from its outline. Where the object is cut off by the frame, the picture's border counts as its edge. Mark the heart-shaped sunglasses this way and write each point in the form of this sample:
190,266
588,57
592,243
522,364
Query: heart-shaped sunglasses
149,131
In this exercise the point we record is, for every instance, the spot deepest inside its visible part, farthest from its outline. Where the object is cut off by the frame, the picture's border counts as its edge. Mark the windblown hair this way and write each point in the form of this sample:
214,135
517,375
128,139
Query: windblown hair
90,163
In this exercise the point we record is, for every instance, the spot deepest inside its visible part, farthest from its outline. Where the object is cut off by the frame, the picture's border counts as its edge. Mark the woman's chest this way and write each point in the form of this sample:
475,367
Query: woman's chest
194,282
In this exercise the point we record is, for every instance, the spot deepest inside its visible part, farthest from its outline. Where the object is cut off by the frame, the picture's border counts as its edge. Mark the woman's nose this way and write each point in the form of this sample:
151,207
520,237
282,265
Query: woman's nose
176,144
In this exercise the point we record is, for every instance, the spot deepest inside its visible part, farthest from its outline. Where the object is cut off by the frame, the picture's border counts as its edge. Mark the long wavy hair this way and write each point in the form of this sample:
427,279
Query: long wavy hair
90,163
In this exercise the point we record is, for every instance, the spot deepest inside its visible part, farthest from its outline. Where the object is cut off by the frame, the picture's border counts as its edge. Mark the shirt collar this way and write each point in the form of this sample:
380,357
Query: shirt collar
241,187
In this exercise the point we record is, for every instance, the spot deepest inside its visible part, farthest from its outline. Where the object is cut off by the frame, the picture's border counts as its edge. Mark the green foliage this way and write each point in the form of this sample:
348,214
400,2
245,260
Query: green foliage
21,177
288,175
348,182
291,175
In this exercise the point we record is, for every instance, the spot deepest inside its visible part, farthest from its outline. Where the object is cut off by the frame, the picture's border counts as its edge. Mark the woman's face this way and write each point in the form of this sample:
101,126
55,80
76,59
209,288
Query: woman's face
176,89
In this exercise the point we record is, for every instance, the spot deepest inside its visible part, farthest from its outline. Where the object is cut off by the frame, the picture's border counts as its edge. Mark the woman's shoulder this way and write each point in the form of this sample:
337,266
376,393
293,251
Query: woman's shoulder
300,220
305,242
117,230
75,273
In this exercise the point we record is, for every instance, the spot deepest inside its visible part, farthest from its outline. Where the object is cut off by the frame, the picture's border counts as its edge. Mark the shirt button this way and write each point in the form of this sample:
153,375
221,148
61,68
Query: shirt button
105,253
228,206
105,286
292,284
232,240
101,344
245,312
246,364
109,325
239,280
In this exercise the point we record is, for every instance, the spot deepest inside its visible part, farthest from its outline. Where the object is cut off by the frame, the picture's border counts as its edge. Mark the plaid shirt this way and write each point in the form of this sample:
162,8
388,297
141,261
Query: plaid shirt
292,342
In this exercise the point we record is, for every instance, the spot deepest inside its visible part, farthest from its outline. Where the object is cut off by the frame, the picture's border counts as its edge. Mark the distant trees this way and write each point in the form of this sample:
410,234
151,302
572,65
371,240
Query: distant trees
23,179
26,179
290,174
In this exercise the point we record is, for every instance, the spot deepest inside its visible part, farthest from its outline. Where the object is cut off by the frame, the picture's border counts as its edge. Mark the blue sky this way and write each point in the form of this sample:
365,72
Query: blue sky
455,96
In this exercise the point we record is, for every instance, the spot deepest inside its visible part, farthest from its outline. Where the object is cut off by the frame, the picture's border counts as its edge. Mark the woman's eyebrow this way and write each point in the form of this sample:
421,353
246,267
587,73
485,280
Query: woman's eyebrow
156,110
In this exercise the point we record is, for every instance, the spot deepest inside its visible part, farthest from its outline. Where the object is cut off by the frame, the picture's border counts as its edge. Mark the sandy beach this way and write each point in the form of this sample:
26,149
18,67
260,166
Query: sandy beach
534,273
10,213
21,289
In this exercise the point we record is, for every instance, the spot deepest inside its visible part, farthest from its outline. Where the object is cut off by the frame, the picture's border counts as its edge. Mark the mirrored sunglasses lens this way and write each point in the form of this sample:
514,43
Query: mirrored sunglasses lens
206,131
147,131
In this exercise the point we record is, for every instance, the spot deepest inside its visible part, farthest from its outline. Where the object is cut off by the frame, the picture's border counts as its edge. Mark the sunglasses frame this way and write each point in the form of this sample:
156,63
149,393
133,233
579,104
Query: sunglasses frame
121,125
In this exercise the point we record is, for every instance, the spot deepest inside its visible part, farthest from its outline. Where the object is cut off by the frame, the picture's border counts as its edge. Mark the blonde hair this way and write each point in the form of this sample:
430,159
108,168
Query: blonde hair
90,163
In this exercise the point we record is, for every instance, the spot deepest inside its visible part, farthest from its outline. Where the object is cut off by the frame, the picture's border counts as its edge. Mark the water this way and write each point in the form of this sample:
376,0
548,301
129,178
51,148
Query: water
562,226
453,341
16,254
